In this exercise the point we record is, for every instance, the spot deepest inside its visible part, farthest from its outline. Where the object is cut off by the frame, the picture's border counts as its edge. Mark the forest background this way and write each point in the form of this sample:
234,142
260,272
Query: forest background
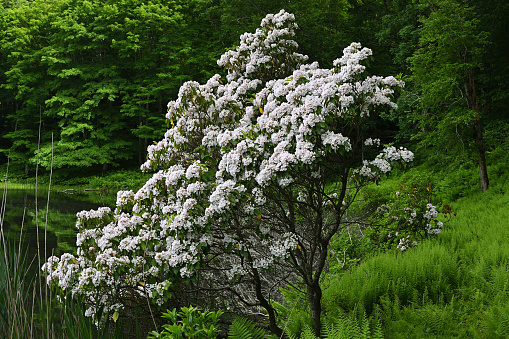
87,82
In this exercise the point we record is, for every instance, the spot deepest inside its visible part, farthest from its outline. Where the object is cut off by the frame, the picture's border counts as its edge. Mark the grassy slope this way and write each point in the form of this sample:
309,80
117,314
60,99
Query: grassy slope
456,285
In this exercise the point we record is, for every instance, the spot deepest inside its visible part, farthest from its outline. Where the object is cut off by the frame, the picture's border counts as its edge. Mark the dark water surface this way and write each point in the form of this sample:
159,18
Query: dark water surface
55,221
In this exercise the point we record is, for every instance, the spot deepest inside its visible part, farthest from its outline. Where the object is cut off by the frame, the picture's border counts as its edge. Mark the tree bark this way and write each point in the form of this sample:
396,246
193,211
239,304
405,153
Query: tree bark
273,327
478,136
481,153
315,303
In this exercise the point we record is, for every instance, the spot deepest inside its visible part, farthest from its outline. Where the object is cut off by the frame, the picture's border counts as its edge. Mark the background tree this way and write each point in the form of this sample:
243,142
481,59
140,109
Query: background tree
447,68
26,32
97,75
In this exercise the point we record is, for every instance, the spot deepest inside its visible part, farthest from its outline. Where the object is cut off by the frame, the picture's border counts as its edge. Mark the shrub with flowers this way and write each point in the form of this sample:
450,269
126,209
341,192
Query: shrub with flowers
409,215
239,192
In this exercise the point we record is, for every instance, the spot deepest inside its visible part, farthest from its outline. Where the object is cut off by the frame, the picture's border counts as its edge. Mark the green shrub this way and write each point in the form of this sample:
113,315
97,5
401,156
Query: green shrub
190,322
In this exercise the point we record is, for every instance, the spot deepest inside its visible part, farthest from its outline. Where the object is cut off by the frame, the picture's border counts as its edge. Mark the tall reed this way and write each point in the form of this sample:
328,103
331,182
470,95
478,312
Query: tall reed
28,307
15,315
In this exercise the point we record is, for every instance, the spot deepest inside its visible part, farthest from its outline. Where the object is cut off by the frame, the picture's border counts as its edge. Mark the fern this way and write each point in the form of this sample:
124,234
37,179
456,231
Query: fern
344,327
242,328
306,334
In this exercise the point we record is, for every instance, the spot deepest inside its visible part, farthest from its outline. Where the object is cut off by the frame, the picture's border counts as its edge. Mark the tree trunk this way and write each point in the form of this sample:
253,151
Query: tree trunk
481,153
315,299
273,327
478,135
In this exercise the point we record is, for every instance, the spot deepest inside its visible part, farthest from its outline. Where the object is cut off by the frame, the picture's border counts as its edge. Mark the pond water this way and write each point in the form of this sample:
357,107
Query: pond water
27,214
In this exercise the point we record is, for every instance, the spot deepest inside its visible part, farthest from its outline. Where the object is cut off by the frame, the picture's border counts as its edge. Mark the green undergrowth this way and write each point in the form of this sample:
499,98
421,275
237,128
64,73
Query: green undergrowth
456,285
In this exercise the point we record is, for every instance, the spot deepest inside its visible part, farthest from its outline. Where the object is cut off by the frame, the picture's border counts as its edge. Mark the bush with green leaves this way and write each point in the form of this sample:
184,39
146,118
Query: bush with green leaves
190,322
407,216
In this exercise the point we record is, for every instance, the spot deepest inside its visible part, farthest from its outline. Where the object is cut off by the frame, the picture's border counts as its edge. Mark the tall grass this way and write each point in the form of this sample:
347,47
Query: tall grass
16,314
456,285
28,307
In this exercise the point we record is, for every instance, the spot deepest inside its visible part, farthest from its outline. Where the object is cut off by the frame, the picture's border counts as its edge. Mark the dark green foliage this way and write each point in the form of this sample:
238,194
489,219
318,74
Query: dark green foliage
95,76
293,314
98,75
242,328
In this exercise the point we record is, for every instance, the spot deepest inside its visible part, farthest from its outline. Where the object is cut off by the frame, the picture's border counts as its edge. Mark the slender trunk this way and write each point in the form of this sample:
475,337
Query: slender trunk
481,153
273,327
478,136
315,303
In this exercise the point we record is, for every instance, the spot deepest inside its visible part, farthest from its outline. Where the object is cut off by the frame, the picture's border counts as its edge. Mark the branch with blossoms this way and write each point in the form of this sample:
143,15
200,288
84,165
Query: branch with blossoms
242,178
407,217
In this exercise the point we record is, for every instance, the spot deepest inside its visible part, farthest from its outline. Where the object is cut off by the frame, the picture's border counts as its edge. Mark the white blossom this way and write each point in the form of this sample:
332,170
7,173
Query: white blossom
231,144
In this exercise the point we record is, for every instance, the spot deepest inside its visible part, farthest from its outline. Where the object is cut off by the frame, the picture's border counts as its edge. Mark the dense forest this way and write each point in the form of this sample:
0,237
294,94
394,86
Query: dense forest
87,82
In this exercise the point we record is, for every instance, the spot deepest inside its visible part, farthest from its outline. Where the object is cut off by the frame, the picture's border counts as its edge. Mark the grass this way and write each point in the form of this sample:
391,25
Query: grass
15,312
456,285
29,310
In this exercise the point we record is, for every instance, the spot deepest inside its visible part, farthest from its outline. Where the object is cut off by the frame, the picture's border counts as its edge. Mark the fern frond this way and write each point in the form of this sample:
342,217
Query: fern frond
350,327
242,328
377,332
308,333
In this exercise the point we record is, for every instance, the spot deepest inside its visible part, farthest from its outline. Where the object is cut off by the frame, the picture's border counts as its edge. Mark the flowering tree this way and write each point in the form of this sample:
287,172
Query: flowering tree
256,173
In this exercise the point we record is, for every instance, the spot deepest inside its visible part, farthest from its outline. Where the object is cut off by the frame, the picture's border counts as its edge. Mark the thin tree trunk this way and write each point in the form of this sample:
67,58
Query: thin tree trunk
315,303
273,327
478,136
481,153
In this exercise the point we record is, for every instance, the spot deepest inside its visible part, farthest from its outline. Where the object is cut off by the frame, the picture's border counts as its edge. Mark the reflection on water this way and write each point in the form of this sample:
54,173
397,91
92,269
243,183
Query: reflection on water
55,221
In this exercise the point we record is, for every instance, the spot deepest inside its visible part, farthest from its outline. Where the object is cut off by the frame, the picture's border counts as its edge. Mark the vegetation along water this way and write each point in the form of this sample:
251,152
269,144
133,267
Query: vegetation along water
338,172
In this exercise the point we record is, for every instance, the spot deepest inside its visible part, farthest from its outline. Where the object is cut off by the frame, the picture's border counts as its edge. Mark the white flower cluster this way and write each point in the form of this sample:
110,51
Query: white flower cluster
92,214
431,212
61,269
405,243
273,121
282,248
382,162
270,47
235,270
222,197
412,221
336,140
372,142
